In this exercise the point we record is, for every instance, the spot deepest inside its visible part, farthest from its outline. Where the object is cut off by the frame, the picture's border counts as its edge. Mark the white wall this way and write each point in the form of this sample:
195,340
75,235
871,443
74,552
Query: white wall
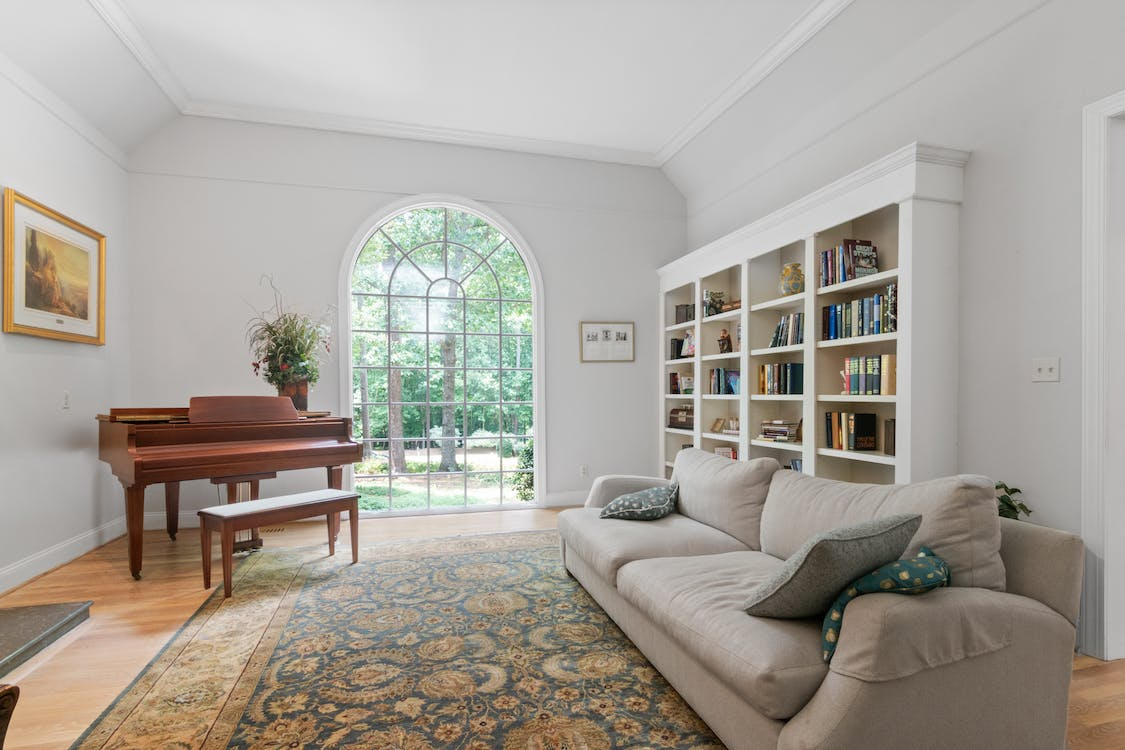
58,500
216,204
1012,95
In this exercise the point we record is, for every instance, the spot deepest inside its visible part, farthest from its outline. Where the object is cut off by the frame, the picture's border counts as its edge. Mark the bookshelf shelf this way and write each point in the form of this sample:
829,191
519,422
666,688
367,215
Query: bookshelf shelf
678,431
728,315
899,213
774,350
843,398
876,338
795,447
864,282
871,457
791,301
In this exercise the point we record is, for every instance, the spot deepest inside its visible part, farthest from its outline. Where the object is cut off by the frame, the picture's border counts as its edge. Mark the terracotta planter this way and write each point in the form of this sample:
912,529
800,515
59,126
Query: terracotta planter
298,391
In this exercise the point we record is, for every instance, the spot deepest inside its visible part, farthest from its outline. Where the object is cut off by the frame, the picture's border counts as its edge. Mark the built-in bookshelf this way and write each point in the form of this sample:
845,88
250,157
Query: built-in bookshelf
854,376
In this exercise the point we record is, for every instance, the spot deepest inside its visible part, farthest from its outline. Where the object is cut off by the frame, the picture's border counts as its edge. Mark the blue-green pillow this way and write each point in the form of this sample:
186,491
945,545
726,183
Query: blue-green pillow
646,505
915,575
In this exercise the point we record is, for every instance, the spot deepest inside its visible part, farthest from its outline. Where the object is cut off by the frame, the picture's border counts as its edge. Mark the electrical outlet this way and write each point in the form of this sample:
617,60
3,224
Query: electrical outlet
66,399
1045,370
583,470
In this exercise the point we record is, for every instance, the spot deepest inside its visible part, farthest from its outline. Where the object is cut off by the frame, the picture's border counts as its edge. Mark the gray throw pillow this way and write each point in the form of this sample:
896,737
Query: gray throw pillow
809,581
646,505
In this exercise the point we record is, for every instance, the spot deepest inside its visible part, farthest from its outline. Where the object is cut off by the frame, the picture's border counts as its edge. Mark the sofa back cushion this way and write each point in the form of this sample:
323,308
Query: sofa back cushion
724,494
959,519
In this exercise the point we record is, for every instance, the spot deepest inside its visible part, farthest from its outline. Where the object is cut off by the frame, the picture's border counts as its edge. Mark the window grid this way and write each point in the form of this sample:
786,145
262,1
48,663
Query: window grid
456,291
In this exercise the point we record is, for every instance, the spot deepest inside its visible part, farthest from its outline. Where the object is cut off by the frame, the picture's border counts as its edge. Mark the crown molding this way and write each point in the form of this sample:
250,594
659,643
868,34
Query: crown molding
121,24
69,116
802,30
369,126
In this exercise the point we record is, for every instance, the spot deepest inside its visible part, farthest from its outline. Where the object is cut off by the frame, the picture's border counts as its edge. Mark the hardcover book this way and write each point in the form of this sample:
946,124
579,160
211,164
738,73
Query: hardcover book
866,260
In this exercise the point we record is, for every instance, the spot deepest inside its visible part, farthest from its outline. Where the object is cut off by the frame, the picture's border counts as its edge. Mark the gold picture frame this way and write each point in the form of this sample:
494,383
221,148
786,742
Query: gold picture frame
54,273
605,342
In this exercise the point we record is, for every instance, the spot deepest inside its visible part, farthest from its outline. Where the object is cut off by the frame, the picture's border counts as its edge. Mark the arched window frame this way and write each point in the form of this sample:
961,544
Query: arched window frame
437,200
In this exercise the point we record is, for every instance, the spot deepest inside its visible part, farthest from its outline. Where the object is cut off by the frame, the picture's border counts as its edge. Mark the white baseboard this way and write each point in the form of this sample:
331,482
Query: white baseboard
565,499
24,570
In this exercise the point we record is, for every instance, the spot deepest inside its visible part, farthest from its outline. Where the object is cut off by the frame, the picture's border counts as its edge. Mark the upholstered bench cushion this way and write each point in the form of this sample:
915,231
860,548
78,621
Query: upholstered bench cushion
774,664
249,507
608,543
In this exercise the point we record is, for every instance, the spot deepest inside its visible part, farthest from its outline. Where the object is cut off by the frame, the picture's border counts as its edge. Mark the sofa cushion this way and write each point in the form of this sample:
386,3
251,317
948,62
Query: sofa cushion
959,519
727,495
608,543
776,665
809,581
644,505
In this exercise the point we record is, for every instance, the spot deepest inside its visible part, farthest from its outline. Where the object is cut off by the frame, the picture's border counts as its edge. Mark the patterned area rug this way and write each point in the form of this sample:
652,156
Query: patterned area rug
476,642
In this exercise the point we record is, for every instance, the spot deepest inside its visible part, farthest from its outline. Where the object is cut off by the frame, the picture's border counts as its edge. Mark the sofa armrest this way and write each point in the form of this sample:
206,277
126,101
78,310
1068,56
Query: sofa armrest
610,486
889,636
979,658
1043,563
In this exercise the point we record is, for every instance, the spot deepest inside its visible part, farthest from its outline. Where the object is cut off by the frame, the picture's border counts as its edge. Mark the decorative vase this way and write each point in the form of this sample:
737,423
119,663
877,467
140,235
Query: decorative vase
792,279
298,391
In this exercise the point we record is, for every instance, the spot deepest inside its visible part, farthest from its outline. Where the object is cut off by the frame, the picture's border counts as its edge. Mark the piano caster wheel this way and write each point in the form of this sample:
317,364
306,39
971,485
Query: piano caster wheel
136,576
172,537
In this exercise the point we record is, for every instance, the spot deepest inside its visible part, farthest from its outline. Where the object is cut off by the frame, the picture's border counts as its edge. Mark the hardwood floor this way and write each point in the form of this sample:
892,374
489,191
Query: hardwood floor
67,686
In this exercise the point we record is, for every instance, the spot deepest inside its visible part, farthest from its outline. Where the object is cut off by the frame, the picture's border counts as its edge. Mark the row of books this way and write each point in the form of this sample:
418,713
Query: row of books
850,260
790,330
861,317
725,382
727,452
850,431
781,378
680,383
780,431
684,313
872,375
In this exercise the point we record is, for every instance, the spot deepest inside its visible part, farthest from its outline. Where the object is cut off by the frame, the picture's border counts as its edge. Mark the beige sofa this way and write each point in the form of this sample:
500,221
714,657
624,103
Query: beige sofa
985,663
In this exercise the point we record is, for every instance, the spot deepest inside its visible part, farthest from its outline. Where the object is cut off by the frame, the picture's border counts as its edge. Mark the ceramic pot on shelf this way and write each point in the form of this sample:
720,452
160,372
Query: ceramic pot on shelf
792,279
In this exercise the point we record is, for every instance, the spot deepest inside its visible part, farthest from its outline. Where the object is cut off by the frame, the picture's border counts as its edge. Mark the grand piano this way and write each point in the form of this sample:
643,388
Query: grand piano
227,439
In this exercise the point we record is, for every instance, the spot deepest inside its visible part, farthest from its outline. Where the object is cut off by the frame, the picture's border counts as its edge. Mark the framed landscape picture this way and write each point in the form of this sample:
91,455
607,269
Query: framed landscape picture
606,342
54,273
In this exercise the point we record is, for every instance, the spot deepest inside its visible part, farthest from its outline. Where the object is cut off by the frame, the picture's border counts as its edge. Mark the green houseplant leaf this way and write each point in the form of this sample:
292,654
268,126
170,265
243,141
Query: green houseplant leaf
1007,504
286,346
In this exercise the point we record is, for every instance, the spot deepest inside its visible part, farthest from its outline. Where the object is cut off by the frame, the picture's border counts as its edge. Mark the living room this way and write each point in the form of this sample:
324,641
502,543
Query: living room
199,198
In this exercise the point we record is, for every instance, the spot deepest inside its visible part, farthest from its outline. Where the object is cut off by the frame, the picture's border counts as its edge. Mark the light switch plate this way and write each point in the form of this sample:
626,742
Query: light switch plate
1045,370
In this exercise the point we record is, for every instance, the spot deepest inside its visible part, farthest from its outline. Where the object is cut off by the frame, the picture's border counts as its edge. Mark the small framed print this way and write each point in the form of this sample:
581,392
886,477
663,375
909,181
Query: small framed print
54,273
606,342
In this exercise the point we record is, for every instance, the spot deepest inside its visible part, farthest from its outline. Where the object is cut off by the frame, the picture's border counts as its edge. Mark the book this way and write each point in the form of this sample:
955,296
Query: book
673,382
674,348
733,385
865,258
863,432
889,437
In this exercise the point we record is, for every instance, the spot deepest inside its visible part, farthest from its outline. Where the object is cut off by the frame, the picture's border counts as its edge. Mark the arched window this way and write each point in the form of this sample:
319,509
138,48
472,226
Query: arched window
442,311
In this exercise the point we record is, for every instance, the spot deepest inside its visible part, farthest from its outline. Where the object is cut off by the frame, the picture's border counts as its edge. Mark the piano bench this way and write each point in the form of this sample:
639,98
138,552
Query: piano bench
232,517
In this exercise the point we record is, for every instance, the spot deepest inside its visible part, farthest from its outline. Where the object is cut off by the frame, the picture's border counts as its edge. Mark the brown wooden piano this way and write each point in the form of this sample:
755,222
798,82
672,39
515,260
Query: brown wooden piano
228,439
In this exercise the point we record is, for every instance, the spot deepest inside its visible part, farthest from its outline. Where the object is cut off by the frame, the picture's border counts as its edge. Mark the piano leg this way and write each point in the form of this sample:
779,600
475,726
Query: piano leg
135,525
335,482
172,508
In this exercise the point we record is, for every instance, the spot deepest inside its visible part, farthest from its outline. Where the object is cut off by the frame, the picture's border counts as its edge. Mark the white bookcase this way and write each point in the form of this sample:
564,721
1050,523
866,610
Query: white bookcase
907,205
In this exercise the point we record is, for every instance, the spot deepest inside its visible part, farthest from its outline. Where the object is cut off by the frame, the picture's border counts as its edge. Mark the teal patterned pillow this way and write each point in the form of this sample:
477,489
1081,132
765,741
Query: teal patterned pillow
915,575
646,505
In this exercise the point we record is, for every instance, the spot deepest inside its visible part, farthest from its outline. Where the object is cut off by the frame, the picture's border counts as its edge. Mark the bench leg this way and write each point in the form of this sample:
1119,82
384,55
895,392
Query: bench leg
353,521
226,534
205,545
333,520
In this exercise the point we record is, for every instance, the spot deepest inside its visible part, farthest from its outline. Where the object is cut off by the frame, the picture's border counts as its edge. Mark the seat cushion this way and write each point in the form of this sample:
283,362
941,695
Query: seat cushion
774,664
959,519
725,494
608,543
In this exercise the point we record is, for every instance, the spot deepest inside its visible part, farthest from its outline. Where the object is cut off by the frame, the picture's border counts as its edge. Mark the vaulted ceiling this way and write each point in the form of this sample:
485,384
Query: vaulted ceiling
628,81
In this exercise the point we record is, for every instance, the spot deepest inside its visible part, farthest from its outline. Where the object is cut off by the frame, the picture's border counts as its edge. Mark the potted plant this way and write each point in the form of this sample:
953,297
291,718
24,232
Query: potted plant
287,347
1006,502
